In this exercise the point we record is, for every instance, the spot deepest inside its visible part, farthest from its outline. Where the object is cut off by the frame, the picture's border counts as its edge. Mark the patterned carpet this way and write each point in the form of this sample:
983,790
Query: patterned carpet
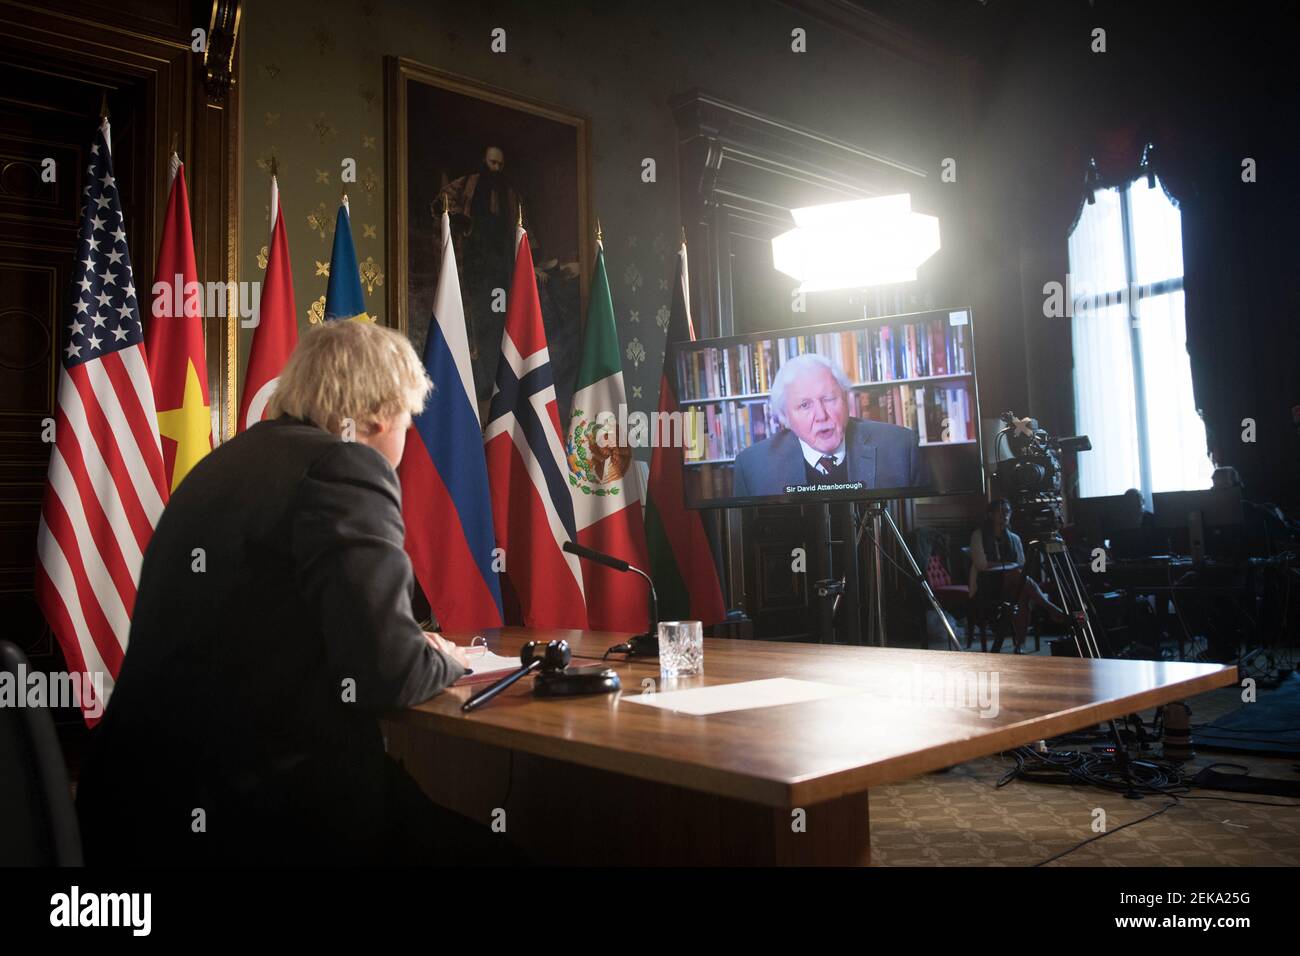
961,818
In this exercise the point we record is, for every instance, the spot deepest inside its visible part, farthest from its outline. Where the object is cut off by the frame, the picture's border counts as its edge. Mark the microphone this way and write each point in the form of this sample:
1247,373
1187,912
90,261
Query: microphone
642,645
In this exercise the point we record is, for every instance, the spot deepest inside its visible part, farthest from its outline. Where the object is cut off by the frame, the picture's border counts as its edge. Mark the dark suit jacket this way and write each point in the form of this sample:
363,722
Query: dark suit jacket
256,667
878,454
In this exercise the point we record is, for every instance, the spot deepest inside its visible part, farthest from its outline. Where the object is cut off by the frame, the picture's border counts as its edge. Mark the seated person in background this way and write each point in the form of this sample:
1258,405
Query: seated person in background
820,443
994,547
1138,516
243,727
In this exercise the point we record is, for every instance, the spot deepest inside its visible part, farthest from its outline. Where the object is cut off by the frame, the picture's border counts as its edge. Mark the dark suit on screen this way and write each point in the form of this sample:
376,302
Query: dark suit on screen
252,684
877,454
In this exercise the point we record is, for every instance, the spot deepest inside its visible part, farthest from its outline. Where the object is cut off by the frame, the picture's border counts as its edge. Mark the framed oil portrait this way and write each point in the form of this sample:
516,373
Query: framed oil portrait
485,152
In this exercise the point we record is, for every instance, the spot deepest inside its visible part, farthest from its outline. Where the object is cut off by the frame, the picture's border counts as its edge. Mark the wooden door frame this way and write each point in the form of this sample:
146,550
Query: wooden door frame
191,97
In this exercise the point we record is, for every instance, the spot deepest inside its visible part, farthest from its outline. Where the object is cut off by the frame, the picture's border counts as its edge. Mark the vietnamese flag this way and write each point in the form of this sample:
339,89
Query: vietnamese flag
604,479
276,332
174,341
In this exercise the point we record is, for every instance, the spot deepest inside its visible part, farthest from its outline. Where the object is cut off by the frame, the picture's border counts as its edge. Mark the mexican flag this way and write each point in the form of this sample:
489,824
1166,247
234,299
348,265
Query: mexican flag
603,477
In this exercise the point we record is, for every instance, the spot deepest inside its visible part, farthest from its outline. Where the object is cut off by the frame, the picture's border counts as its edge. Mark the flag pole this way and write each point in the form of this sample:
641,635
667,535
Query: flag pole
103,105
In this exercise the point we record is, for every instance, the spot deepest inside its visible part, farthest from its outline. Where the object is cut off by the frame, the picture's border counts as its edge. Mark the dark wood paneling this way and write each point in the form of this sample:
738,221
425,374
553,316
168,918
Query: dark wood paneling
56,67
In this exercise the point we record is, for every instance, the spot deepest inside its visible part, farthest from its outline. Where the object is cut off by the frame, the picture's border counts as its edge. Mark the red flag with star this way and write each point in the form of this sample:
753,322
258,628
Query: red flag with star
174,341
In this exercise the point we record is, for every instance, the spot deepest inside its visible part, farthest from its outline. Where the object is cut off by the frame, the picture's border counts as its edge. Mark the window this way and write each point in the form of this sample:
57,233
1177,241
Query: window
1132,376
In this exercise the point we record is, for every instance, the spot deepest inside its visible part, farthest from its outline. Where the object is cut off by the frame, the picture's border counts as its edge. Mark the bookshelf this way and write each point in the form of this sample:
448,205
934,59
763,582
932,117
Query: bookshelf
915,373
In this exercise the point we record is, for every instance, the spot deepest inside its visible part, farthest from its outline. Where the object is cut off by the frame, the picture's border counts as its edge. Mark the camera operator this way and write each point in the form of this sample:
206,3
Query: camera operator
995,548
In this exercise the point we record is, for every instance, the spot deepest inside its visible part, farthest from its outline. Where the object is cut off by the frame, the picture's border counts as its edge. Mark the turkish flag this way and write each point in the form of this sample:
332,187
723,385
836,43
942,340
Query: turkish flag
276,332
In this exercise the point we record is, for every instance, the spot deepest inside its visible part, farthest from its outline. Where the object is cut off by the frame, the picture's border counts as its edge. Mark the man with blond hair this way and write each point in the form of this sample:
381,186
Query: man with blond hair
272,626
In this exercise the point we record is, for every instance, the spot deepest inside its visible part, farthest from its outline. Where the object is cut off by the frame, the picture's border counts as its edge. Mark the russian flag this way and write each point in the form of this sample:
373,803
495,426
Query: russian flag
445,500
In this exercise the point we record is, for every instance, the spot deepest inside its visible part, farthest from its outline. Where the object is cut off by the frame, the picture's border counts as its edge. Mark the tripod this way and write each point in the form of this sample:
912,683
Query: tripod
1047,550
879,515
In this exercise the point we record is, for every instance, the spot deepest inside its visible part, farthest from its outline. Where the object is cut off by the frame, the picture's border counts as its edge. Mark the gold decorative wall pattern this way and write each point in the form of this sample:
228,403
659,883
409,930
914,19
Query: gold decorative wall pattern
371,275
269,158
370,183
322,128
320,221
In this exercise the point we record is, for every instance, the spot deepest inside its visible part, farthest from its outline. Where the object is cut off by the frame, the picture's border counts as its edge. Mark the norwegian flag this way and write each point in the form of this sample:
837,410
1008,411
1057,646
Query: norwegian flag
106,487
527,470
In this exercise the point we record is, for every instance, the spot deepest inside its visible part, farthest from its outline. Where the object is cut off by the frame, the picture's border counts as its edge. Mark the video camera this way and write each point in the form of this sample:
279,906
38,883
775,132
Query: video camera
1030,477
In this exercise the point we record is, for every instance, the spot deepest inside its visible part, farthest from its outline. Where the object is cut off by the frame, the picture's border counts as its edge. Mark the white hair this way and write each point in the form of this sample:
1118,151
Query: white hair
792,369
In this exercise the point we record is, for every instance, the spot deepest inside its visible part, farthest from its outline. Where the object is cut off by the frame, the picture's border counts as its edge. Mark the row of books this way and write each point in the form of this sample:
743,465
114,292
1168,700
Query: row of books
937,414
880,353
725,429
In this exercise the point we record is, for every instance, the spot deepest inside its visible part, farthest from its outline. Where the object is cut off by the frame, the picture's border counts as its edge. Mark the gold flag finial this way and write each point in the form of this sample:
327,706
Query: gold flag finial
600,235
275,164
176,140
446,203
103,105
683,235
520,222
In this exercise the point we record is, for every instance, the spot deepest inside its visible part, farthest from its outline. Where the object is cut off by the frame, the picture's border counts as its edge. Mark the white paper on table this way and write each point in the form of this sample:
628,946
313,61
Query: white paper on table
746,695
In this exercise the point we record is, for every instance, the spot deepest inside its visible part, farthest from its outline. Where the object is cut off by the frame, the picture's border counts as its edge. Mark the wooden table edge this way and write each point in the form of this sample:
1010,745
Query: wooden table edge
814,789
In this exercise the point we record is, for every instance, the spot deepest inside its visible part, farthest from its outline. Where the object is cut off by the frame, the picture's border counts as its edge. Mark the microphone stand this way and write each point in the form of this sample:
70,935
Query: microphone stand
647,644
642,645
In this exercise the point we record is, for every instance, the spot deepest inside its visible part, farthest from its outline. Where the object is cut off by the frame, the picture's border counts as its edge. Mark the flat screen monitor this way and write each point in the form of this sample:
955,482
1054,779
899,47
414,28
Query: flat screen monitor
1099,517
1219,507
874,408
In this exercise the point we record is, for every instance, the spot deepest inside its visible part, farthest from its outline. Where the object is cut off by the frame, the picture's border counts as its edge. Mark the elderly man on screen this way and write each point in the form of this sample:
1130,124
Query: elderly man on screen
821,444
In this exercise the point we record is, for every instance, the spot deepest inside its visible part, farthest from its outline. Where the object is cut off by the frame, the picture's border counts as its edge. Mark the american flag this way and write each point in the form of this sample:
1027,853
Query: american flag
106,488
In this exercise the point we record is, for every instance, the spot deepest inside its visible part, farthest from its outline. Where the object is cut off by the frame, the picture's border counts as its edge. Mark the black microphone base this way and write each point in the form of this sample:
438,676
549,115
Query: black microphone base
644,645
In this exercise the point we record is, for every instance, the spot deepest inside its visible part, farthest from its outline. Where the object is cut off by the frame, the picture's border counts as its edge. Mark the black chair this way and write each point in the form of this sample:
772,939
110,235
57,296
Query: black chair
38,823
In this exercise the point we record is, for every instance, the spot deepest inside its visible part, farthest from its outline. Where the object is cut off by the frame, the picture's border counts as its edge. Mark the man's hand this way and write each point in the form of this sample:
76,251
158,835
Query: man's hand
454,651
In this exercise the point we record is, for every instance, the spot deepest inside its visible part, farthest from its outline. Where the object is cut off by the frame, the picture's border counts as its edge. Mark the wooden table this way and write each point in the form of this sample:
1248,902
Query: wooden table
601,780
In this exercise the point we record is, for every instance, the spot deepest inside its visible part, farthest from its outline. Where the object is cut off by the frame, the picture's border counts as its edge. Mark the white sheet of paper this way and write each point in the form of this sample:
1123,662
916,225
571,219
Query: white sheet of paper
746,695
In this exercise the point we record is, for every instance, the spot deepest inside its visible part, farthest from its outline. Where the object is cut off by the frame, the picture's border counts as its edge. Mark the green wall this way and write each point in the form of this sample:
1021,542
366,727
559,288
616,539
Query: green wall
313,93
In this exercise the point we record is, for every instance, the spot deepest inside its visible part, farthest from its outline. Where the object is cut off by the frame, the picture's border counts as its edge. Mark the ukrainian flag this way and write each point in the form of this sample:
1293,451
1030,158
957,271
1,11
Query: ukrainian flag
343,298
